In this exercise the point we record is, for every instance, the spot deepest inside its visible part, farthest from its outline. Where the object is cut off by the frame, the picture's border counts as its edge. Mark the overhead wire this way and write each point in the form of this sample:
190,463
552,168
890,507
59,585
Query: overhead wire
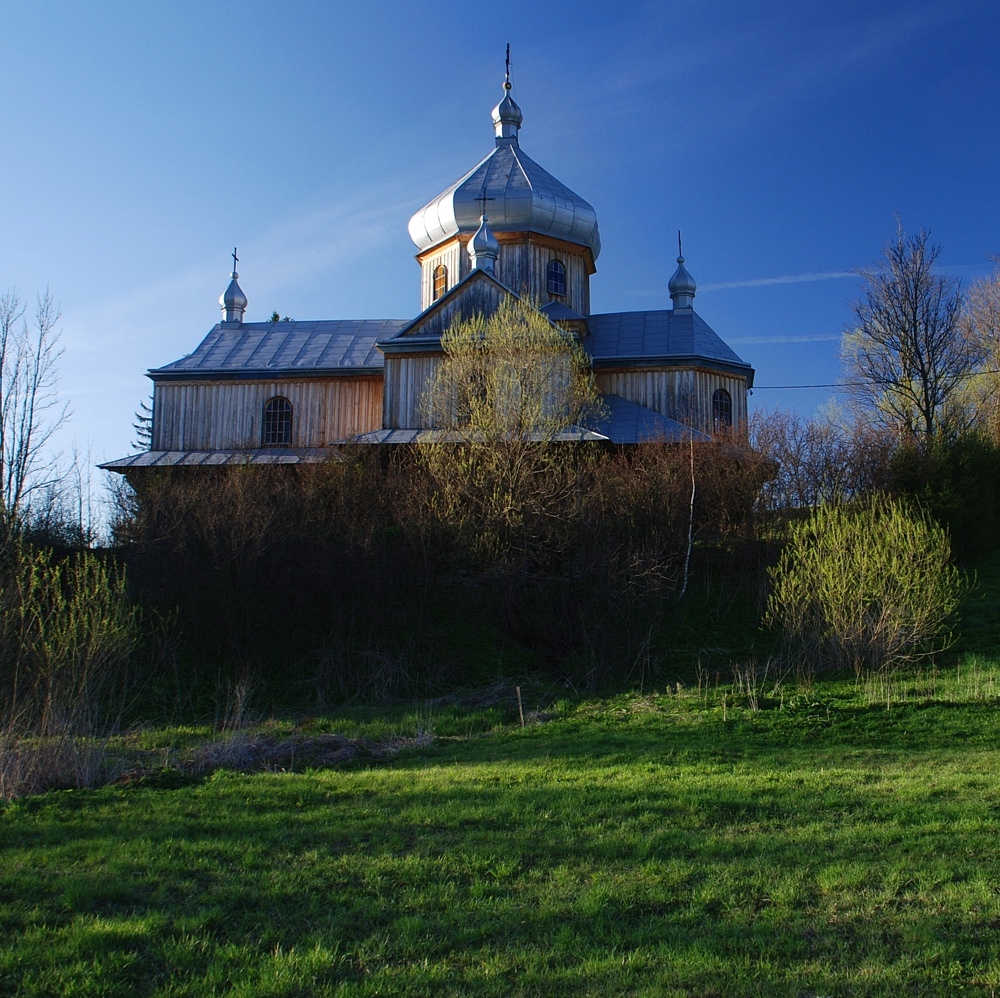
852,384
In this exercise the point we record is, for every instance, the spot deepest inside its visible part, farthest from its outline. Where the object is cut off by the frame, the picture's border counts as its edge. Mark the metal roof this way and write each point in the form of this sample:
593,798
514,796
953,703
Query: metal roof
557,311
207,458
411,436
524,198
625,422
665,335
287,348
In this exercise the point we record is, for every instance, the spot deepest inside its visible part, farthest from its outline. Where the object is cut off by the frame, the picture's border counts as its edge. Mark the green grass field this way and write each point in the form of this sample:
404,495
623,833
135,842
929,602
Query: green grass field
736,835
665,843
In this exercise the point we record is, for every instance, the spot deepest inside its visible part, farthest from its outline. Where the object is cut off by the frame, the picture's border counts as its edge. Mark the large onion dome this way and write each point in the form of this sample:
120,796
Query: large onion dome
522,197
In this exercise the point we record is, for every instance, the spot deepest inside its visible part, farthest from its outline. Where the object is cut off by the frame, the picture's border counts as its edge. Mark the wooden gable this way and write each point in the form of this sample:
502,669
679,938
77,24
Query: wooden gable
479,294
412,356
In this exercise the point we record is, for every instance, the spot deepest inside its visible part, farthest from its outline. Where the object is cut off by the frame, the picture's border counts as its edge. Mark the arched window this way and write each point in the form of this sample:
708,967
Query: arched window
556,279
440,280
277,429
722,409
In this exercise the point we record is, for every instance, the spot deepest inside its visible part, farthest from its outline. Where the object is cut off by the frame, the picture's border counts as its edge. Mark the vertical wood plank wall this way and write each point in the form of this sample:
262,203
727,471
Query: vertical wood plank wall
452,255
684,394
406,379
228,415
522,266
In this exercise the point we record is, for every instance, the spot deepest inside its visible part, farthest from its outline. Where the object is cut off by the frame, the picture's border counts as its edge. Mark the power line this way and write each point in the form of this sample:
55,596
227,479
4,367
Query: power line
852,384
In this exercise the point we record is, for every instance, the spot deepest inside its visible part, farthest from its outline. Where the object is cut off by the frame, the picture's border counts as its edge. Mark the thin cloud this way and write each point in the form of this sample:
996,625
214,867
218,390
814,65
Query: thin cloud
818,338
300,248
762,282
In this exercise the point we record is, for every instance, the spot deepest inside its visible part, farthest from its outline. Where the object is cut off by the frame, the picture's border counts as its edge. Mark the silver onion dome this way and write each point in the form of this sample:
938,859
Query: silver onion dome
232,300
484,248
682,286
524,197
507,116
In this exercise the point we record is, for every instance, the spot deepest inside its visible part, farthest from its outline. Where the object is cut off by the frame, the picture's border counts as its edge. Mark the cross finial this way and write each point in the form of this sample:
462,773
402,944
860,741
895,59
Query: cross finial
236,260
680,252
506,81
482,199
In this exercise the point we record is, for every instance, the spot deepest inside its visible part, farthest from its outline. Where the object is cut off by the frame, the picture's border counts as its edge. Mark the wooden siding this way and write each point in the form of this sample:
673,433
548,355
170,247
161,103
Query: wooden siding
522,266
482,298
227,415
453,256
684,394
406,379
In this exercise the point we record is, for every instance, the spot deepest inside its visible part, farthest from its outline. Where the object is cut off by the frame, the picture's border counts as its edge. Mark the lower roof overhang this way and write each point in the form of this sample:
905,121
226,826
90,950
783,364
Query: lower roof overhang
220,458
267,374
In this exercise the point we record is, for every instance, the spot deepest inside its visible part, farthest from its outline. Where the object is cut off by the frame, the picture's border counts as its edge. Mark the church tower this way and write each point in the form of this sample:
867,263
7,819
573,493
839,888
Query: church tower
548,236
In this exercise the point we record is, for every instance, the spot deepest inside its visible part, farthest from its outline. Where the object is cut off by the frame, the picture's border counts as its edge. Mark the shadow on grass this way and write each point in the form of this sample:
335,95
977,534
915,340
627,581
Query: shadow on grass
647,845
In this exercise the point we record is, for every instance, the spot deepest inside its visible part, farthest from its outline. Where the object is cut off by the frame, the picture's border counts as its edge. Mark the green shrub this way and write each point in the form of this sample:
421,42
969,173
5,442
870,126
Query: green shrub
68,634
868,587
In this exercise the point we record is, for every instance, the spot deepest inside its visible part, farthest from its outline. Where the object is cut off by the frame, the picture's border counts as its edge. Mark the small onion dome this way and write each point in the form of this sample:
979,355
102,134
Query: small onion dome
233,301
682,286
507,116
483,247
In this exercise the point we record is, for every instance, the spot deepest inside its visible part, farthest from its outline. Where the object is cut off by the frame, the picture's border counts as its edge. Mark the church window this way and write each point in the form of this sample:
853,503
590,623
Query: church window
277,429
440,280
557,279
722,409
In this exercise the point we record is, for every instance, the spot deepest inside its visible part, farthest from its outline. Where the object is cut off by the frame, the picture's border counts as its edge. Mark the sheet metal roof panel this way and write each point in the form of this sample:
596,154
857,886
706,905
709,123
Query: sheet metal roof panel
196,458
525,198
661,333
325,345
572,432
625,422
557,310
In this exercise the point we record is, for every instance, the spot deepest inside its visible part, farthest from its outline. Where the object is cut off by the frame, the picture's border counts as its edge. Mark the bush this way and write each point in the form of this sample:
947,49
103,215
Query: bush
868,588
68,634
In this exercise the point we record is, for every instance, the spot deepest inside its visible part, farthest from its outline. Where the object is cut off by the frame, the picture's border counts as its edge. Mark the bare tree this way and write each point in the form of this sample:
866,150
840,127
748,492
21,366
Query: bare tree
981,325
906,358
30,411
828,459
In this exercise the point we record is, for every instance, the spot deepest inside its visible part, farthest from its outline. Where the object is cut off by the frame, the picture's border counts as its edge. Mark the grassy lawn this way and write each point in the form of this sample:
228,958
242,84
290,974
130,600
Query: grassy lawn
676,842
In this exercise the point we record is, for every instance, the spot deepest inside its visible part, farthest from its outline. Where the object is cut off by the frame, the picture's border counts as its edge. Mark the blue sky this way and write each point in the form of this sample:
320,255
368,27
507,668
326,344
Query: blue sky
144,140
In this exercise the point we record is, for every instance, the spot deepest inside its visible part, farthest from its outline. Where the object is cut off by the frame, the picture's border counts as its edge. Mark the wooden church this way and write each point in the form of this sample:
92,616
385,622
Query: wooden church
289,392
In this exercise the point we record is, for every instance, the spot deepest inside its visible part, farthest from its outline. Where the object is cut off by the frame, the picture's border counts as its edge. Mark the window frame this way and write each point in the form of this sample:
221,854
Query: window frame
555,278
276,425
439,282
722,410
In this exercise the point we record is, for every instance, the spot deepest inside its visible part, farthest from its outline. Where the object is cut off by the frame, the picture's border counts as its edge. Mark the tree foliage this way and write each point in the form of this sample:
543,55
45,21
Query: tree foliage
508,388
867,588
142,424
906,358
69,636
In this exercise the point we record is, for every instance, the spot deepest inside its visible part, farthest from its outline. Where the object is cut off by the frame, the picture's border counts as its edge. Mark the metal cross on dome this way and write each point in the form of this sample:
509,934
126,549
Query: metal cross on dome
236,259
481,201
